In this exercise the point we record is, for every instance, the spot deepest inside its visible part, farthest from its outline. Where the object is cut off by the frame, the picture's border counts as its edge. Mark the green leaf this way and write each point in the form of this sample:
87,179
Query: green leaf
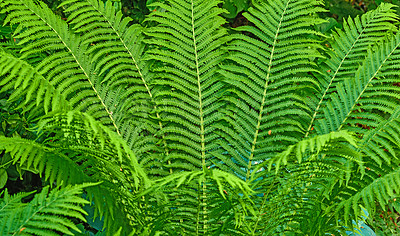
3,178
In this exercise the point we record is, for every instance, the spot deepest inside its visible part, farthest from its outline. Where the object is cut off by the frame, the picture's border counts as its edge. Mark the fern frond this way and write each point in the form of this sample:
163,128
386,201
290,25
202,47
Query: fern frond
9,202
283,199
378,185
348,51
49,213
222,188
268,108
309,149
220,177
193,132
380,144
371,91
94,158
192,81
66,67
26,81
379,171
117,48
112,161
96,135
60,167
188,50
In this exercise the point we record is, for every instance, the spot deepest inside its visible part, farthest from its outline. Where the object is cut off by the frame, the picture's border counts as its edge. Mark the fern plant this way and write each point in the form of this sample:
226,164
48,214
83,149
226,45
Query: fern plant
49,213
196,129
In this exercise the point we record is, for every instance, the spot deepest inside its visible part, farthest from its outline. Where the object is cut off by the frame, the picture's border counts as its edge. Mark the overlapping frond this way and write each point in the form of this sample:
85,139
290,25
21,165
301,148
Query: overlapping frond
72,126
25,81
49,213
291,186
66,67
310,149
378,174
225,194
240,135
348,51
379,184
285,199
367,103
381,143
63,166
116,47
363,100
79,150
108,158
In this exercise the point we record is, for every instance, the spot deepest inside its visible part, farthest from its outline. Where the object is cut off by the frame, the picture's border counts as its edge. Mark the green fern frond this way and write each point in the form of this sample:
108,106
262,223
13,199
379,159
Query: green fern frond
225,191
372,80
194,132
309,149
285,198
221,178
33,156
195,36
49,213
380,144
94,158
379,172
66,67
372,188
10,202
114,163
26,81
348,50
188,50
95,133
117,48
269,109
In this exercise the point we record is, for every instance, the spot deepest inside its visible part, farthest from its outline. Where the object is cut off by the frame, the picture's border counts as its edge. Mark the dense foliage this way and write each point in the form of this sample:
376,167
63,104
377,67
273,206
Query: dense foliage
187,127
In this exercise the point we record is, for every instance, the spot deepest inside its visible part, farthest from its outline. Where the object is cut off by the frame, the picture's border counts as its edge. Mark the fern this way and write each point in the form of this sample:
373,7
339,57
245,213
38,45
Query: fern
186,86
193,129
28,82
83,165
48,213
313,148
265,98
66,50
347,50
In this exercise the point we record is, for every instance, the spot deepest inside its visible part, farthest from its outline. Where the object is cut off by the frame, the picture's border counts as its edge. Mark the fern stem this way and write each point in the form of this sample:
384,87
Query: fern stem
260,209
253,147
202,139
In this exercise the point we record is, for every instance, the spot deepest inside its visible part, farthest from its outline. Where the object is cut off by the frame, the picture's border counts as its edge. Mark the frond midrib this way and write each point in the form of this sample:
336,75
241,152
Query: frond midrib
42,206
202,138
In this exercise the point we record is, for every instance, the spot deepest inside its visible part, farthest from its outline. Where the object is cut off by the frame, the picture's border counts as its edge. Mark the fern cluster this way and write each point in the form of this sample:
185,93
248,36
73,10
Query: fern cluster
196,129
